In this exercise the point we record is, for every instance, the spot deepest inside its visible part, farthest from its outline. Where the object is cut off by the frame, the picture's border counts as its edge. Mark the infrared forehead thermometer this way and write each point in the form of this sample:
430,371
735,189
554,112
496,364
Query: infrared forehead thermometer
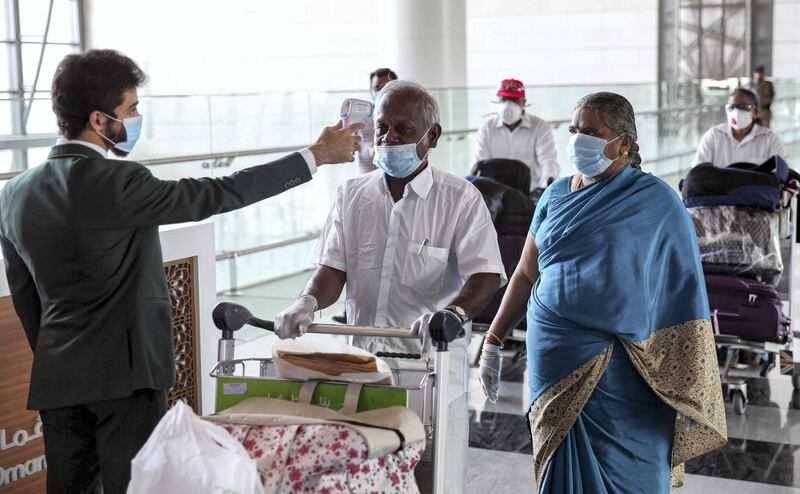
355,111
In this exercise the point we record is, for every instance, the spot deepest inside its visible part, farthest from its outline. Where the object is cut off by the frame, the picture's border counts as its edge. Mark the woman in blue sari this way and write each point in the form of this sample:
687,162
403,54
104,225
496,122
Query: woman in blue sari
621,360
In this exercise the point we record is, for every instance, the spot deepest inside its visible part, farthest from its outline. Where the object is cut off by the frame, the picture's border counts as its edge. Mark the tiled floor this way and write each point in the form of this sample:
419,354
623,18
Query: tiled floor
762,456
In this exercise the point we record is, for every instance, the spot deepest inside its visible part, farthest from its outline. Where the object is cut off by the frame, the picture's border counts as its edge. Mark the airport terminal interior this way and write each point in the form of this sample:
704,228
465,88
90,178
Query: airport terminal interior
231,85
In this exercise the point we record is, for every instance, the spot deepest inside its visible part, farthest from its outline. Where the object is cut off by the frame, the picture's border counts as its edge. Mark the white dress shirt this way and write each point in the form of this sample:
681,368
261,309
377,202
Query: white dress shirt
718,146
411,257
94,147
305,152
407,258
531,143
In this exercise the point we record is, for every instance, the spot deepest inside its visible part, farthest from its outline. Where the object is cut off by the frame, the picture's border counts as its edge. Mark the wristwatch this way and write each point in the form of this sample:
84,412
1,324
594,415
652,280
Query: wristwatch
461,313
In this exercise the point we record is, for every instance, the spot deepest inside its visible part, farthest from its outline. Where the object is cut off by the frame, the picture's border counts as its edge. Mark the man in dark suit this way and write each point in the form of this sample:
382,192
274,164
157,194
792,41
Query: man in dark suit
79,235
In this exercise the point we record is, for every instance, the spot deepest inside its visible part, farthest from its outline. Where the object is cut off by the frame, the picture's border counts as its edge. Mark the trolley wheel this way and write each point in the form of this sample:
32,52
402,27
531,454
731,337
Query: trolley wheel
795,380
739,403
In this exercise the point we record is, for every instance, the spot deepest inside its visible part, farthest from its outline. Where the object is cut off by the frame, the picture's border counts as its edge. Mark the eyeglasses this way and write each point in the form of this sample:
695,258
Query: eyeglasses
731,107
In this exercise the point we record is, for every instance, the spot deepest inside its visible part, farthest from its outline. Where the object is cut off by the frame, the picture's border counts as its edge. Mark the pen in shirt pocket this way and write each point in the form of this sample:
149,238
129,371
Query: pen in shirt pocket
424,244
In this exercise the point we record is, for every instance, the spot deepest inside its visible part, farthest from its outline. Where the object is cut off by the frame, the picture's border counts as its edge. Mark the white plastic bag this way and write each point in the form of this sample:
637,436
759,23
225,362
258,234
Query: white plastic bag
188,454
302,346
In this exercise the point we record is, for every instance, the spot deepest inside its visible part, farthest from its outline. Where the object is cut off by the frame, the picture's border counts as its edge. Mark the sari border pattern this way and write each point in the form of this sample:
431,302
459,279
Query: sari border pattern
554,413
680,364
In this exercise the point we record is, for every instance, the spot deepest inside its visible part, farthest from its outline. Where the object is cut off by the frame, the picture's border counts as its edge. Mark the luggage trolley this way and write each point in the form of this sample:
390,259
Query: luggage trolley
426,389
787,347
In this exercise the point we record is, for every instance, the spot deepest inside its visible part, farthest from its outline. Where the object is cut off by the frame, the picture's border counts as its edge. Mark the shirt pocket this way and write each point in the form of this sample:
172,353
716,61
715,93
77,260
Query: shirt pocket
424,268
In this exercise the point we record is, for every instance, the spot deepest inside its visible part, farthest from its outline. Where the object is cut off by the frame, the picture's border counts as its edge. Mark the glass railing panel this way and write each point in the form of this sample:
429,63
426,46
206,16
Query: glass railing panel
173,126
5,111
262,121
268,265
293,213
41,119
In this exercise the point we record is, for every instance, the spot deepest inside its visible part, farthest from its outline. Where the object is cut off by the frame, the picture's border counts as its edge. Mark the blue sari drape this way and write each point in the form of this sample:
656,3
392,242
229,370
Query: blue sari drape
618,263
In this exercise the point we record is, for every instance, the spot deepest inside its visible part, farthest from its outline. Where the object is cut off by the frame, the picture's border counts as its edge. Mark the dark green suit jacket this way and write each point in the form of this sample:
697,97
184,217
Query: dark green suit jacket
79,236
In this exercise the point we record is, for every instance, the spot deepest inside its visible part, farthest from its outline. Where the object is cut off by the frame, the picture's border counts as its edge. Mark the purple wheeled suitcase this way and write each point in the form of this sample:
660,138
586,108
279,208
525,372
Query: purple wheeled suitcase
746,308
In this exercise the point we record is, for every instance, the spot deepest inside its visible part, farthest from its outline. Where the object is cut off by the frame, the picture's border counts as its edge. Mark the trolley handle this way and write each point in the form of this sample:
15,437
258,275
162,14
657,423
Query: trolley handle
415,356
230,317
262,323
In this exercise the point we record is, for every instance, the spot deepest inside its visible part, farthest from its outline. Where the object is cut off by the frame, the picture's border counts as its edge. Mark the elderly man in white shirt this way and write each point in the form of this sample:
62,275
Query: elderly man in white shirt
741,139
408,240
515,134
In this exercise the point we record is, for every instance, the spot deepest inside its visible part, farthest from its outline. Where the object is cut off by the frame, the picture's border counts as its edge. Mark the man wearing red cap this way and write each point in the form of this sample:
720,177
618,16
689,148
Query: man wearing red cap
515,134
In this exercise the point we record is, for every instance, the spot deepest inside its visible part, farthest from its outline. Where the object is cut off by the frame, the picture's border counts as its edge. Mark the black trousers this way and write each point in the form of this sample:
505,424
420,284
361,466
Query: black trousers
93,444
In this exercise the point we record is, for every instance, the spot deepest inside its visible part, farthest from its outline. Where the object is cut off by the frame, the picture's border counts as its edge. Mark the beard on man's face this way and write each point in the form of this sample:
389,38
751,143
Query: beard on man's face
116,136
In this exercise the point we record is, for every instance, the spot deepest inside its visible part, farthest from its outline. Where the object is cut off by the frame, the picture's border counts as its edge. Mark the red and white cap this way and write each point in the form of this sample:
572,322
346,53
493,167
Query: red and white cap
511,88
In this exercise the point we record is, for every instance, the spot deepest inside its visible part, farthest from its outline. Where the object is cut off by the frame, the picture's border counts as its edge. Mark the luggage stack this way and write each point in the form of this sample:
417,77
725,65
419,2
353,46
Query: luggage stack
735,214
740,241
505,187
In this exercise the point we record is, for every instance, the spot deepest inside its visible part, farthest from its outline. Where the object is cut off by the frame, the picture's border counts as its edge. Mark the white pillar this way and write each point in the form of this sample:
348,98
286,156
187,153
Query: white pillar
428,41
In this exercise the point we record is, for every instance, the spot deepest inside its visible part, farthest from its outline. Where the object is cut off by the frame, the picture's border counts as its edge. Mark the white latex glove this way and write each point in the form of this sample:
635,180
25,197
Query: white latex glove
489,370
420,329
294,320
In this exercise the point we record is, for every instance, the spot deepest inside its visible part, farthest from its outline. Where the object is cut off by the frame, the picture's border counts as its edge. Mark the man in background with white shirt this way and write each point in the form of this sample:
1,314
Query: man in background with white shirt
741,138
408,241
515,134
377,79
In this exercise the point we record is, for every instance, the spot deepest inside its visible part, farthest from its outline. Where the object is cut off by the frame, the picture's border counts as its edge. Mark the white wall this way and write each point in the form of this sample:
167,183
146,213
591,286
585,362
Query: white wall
202,46
208,46
562,42
786,39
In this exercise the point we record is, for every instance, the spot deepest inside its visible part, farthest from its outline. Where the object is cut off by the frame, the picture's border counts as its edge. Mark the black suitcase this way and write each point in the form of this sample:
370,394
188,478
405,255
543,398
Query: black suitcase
511,210
513,173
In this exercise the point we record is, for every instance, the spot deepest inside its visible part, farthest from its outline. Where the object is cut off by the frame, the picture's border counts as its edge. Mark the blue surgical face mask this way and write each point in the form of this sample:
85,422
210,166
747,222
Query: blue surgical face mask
586,153
399,161
133,129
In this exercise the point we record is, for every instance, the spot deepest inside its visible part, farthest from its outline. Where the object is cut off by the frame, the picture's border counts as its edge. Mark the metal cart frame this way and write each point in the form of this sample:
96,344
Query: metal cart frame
786,350
429,385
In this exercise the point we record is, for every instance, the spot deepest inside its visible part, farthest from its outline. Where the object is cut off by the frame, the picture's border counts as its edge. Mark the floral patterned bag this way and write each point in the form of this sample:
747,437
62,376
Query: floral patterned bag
303,448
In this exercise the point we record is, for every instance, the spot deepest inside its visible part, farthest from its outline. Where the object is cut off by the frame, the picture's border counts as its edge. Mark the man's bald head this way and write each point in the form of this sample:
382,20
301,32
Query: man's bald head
412,93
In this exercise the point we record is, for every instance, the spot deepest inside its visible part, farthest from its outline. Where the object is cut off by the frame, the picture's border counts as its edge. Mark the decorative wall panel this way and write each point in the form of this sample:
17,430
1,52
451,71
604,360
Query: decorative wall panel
182,283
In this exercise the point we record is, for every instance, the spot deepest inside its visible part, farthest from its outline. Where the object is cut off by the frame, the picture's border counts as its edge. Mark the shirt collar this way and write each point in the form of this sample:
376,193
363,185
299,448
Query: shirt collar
94,147
755,132
421,184
526,121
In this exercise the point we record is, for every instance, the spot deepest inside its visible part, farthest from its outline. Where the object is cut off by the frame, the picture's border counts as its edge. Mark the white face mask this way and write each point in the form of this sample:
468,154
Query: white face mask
510,112
739,119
